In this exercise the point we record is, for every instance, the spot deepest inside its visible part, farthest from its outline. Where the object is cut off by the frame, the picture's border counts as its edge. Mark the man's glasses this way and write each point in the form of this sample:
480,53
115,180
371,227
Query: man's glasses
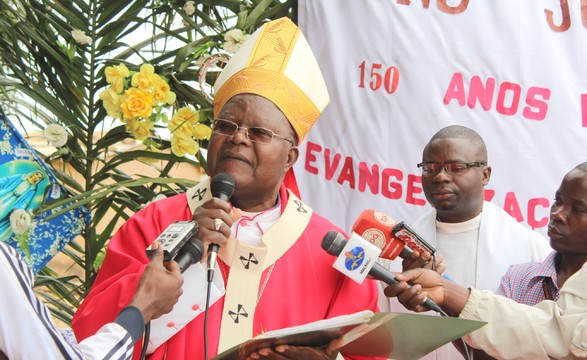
432,168
255,134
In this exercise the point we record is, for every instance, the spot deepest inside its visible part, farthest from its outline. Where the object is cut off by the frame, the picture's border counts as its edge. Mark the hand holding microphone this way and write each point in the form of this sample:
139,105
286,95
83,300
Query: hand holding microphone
430,285
222,187
159,287
356,260
177,242
397,240
214,214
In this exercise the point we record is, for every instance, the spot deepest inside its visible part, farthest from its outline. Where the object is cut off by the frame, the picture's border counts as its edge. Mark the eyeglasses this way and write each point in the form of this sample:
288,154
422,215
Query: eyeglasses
432,168
255,134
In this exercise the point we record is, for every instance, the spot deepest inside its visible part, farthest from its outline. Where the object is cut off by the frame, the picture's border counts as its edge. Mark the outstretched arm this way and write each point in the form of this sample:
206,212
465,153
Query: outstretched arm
159,289
548,329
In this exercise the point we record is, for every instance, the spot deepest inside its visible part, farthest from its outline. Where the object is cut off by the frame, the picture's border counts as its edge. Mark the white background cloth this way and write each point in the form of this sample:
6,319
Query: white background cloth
509,42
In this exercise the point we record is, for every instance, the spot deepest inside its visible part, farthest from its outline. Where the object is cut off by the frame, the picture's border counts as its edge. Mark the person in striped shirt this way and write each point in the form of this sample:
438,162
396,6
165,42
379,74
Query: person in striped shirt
530,283
27,331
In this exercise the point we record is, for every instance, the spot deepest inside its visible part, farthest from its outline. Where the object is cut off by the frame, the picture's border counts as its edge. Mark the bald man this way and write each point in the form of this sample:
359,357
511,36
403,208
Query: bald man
477,239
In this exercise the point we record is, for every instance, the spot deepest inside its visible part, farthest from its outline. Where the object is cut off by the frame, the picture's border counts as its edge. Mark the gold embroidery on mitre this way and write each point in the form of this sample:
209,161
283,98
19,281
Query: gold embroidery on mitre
264,76
287,96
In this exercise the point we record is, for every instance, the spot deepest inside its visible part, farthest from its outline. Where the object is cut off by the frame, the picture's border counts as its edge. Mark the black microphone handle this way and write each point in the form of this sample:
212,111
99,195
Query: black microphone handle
212,255
380,273
406,252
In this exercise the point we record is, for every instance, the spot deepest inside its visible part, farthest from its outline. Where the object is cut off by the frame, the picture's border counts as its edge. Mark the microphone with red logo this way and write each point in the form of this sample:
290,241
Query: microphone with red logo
377,228
394,239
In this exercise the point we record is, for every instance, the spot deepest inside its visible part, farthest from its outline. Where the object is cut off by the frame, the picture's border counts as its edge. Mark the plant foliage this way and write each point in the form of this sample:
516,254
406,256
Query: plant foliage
46,77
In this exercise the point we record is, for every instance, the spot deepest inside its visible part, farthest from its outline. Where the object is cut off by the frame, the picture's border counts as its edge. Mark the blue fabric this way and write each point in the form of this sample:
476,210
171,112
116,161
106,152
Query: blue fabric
18,161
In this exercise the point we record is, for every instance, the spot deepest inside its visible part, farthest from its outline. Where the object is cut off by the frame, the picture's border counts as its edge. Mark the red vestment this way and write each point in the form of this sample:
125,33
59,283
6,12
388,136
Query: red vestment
303,287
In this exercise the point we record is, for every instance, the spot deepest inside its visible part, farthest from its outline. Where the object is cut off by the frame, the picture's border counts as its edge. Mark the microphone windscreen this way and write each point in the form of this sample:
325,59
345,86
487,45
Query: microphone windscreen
189,254
333,242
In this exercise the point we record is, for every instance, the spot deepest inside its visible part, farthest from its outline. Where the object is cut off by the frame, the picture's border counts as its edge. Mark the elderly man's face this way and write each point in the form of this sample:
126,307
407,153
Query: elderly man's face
456,197
568,215
258,168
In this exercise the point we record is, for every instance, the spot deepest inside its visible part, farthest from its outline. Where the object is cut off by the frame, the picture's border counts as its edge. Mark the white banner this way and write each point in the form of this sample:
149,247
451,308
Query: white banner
513,70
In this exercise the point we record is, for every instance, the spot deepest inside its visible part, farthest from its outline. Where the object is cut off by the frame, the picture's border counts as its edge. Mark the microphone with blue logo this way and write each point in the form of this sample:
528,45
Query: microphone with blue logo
357,258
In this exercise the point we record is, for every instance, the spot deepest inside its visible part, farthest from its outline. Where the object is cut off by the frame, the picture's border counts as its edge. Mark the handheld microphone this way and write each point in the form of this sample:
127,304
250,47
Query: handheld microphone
334,242
222,187
376,227
411,238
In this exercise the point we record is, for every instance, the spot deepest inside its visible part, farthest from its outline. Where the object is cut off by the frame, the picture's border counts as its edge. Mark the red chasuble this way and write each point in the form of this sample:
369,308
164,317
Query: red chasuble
302,287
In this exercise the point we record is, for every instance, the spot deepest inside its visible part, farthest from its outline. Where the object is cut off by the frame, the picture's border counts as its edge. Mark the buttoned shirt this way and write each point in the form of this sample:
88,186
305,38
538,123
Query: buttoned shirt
530,283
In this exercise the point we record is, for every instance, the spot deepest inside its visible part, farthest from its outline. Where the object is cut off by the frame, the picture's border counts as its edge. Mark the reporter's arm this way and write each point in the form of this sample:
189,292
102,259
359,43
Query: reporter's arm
24,317
514,331
517,331
158,290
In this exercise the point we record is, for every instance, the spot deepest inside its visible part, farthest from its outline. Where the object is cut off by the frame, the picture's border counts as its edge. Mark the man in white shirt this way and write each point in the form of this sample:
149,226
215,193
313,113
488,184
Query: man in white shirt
477,240
27,331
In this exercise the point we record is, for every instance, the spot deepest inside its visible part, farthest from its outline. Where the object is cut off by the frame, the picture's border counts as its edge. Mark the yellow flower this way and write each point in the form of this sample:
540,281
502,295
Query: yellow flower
184,115
183,145
182,122
142,100
137,103
115,76
145,78
201,132
162,93
111,102
141,129
184,130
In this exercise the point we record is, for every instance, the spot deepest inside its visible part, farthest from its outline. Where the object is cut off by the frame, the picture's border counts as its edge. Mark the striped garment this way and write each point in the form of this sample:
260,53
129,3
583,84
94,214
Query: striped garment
27,331
530,283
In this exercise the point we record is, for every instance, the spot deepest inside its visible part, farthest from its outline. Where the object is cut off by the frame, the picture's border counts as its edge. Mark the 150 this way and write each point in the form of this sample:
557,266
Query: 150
388,78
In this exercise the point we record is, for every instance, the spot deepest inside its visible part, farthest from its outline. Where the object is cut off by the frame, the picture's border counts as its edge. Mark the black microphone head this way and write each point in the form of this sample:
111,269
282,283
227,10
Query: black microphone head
222,186
190,254
195,248
333,242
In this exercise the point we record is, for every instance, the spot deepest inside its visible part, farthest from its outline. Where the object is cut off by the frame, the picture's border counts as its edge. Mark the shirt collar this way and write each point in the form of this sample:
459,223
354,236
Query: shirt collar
547,268
251,226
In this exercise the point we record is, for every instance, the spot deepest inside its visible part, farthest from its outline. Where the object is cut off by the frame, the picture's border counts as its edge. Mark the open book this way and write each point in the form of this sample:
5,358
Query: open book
394,335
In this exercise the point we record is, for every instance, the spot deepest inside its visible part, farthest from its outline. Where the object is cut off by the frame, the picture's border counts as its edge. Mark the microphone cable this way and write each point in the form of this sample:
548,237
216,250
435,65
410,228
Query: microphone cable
468,355
146,340
208,290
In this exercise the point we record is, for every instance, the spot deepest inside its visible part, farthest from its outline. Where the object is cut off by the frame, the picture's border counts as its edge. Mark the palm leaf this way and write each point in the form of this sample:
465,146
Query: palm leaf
46,77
